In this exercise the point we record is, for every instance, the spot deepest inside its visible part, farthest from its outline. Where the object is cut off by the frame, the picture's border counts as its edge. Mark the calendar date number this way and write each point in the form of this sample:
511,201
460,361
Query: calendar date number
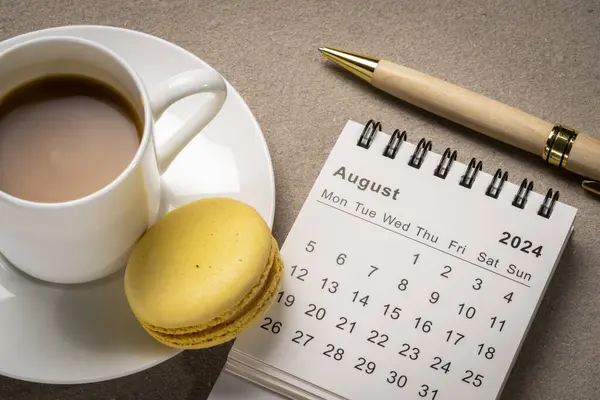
288,300
472,379
330,286
516,242
336,353
410,352
358,297
391,311
397,379
364,365
302,338
487,352
454,337
423,325
271,326
316,312
346,325
440,365
426,393
299,273
378,338
403,285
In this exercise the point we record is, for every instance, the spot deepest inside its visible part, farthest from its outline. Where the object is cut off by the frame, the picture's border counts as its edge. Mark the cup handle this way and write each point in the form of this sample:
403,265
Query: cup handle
176,88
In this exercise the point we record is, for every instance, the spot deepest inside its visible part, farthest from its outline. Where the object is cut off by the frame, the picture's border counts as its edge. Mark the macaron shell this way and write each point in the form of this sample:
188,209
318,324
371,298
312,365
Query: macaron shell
229,330
233,312
197,263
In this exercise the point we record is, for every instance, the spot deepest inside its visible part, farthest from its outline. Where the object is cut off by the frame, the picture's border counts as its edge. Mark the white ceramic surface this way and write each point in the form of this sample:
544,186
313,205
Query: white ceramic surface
86,333
89,238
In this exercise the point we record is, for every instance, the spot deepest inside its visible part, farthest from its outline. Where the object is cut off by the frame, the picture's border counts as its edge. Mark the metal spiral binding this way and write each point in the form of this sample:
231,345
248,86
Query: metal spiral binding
548,203
418,156
443,167
368,133
445,164
471,173
496,183
521,197
391,149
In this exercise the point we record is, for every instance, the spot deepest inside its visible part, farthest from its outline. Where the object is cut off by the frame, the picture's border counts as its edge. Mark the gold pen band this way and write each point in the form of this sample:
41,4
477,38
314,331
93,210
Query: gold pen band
558,145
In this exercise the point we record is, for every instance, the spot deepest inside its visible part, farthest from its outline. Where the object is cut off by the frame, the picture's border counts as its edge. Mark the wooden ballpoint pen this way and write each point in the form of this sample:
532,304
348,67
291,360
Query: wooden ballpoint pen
558,145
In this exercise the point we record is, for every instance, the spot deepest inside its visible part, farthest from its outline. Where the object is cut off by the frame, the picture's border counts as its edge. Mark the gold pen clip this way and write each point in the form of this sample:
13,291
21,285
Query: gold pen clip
591,186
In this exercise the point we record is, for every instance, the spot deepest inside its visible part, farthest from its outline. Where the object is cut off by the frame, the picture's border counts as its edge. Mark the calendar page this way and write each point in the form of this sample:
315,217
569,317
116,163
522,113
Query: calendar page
402,284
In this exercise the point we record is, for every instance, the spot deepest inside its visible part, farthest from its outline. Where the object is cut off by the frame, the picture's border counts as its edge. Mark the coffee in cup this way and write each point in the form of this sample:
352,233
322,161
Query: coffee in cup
63,137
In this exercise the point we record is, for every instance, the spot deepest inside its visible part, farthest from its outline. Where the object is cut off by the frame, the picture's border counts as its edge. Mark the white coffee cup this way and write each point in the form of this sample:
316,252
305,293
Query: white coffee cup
89,238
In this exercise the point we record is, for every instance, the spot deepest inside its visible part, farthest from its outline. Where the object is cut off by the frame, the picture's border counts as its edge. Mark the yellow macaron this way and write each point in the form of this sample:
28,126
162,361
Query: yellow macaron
203,274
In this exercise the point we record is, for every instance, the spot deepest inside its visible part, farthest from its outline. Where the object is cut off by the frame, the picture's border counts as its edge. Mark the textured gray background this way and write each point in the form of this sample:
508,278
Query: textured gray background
541,56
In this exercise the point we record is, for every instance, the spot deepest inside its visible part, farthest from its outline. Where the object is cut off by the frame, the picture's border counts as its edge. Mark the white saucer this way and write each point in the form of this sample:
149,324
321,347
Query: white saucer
65,335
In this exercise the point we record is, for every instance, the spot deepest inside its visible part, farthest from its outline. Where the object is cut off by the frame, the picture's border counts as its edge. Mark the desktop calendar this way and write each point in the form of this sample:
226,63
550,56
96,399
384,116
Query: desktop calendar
408,275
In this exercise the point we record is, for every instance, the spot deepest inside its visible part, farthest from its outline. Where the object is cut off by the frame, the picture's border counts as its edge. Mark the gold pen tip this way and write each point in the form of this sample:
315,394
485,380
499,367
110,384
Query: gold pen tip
360,65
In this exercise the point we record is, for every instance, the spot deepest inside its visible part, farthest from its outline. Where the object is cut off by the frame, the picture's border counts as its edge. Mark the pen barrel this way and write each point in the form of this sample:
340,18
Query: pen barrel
584,158
464,107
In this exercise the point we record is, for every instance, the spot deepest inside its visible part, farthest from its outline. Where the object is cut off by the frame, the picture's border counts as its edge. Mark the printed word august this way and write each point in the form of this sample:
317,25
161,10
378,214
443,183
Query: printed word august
366,184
